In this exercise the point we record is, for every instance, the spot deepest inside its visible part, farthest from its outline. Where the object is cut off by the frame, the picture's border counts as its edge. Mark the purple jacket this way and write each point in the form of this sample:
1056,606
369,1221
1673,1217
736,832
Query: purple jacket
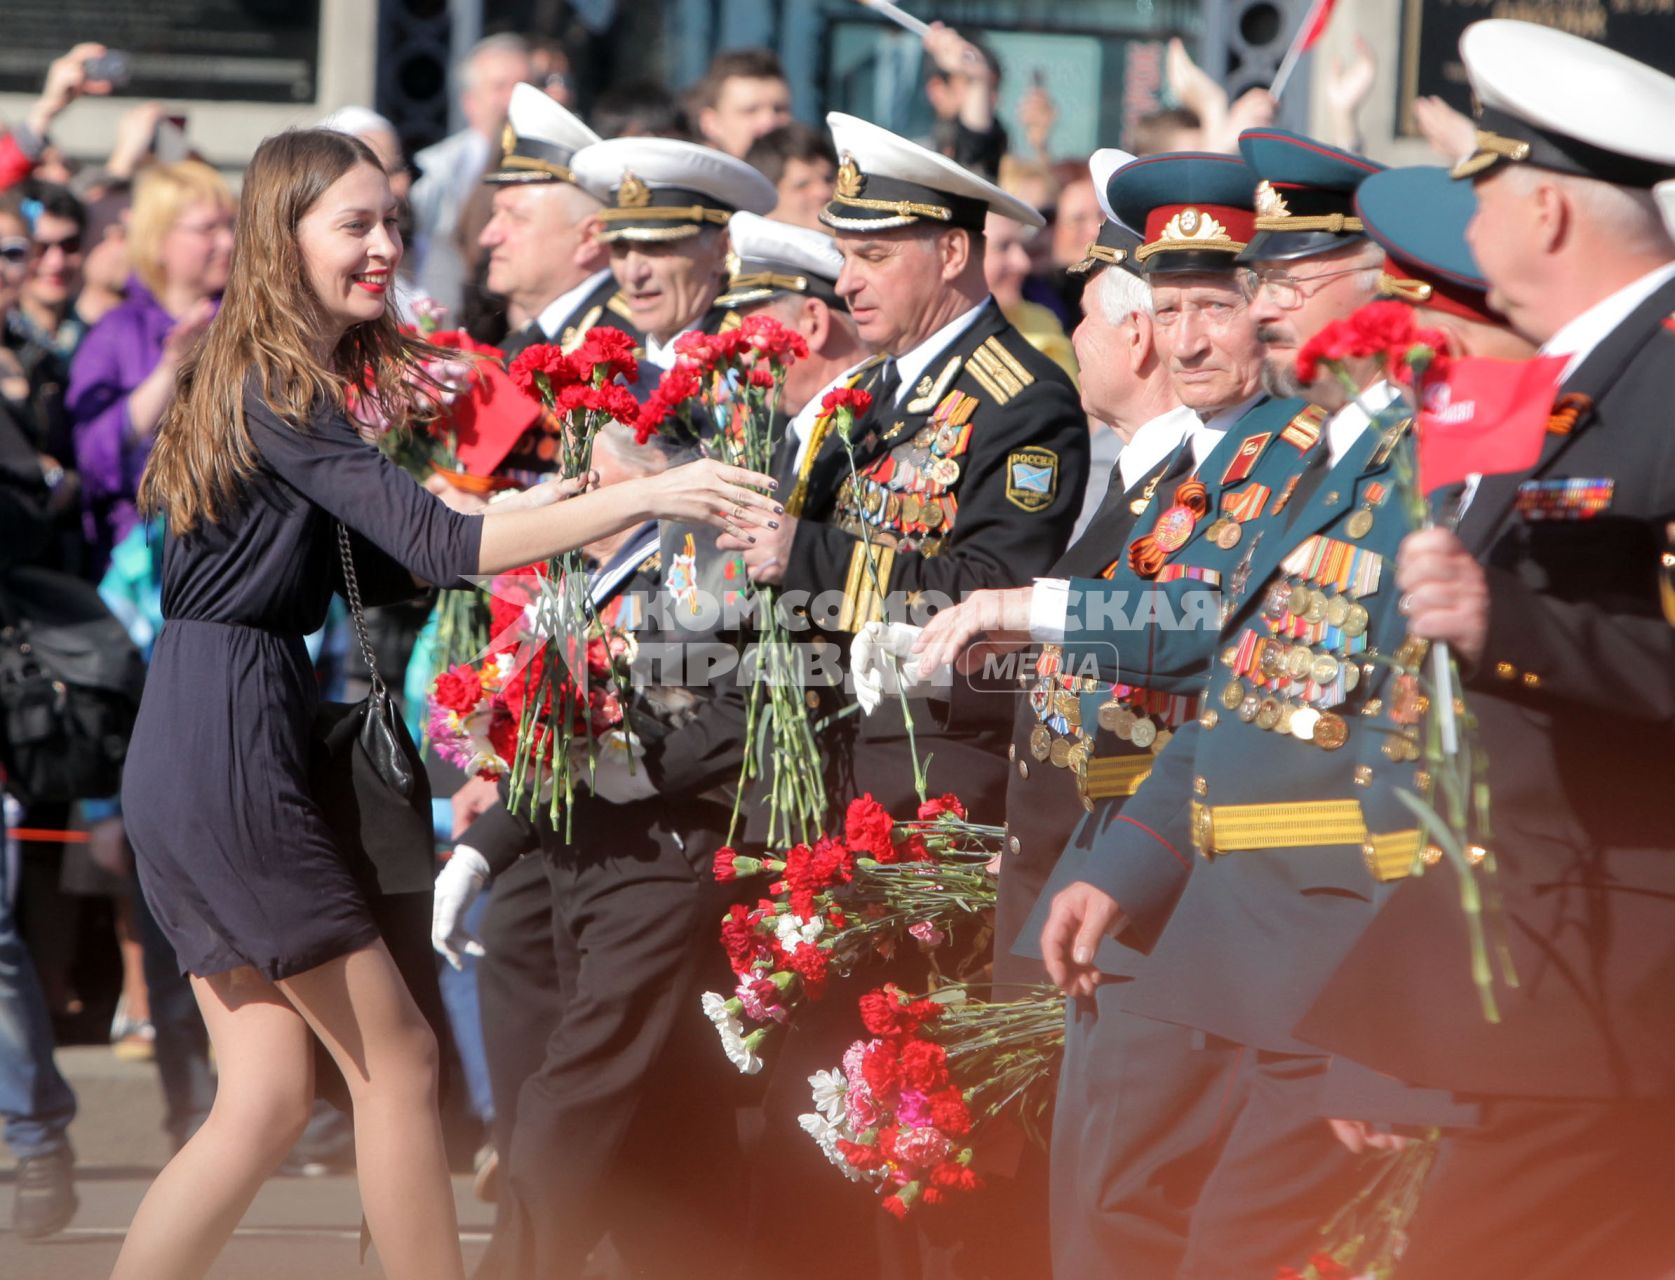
113,359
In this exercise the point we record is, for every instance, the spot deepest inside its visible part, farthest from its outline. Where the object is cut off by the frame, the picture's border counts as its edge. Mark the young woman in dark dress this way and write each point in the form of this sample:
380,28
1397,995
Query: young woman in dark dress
254,467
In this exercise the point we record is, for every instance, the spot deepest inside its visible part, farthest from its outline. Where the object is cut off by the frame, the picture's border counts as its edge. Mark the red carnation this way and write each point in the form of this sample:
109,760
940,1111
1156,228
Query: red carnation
924,1066
738,938
546,360
503,736
894,1206
608,352
955,1176
950,1113
853,399
809,963
762,376
459,689
867,827
882,1074
723,870
913,849
939,805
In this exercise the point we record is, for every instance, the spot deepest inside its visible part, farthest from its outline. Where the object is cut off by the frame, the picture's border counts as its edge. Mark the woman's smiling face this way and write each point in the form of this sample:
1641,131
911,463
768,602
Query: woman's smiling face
351,247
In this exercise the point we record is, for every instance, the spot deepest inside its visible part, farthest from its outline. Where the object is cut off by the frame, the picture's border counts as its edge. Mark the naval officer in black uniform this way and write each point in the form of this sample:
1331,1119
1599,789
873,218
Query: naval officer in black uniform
544,253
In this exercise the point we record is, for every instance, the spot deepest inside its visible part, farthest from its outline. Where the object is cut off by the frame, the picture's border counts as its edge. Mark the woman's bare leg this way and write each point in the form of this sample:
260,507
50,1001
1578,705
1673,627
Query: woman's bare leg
361,1009
265,1057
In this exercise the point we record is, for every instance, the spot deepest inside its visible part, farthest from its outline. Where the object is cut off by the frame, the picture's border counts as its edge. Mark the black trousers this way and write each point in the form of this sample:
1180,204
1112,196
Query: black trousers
1144,1109
519,986
1549,1191
627,1124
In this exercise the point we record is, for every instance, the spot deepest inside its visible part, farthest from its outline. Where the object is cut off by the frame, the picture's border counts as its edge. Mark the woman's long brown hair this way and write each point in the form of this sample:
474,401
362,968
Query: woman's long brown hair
203,453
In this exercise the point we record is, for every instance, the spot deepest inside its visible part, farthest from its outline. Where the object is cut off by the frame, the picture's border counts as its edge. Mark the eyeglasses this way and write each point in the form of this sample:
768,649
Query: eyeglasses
69,244
15,249
1288,292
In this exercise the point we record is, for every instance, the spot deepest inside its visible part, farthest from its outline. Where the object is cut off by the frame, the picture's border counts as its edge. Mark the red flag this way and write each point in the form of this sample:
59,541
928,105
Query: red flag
1314,25
1485,417
490,418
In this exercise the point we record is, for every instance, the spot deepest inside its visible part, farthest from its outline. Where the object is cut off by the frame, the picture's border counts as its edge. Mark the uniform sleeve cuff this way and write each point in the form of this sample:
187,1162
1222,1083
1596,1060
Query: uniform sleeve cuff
1049,609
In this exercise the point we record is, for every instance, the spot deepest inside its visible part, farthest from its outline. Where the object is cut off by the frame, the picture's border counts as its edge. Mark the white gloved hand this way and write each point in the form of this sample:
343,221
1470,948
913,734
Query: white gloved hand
619,769
881,659
457,885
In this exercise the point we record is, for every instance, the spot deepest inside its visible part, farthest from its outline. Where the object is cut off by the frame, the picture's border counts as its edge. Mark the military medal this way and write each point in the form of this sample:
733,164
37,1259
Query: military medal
1324,670
1249,707
1355,621
1227,537
1144,732
1337,610
1173,528
1059,753
1360,524
1330,731
1268,714
1040,742
1147,553
1108,715
1232,694
1123,723
1303,723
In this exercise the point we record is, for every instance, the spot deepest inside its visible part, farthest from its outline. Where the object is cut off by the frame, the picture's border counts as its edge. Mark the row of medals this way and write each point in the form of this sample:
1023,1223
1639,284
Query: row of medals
1299,663
1073,754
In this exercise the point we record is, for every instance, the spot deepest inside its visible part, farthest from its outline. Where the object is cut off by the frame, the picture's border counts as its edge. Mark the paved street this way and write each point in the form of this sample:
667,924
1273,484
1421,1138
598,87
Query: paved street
298,1226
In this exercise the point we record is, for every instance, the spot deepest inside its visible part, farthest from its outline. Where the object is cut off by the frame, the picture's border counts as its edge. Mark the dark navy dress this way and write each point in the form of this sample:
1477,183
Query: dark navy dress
235,860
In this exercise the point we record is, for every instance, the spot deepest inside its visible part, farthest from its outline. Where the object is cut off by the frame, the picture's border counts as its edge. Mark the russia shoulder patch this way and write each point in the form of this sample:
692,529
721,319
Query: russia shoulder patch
1032,478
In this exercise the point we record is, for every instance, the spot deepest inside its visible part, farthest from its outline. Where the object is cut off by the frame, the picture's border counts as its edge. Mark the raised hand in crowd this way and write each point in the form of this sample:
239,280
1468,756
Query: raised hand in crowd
963,64
1347,87
1037,113
1451,135
151,398
134,133
66,81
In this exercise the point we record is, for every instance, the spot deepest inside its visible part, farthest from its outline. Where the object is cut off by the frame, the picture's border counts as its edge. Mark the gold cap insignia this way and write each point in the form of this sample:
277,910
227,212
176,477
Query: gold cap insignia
508,139
1269,203
850,181
632,194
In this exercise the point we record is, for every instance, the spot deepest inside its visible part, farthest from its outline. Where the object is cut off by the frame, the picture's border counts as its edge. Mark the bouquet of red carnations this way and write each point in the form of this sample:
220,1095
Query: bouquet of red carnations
481,713
840,900
907,1105
582,390
738,376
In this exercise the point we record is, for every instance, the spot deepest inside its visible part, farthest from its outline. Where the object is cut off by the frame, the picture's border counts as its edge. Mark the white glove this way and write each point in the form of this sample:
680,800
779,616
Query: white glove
457,885
619,769
881,660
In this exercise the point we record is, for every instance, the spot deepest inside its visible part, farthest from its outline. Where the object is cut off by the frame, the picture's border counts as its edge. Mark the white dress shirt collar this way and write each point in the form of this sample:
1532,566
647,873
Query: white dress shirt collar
1349,422
662,354
1583,333
914,364
562,307
1153,442
801,425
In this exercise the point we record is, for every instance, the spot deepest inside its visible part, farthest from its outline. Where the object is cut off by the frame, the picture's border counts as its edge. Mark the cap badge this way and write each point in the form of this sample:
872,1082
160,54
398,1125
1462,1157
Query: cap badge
850,181
1193,224
632,194
508,139
1269,203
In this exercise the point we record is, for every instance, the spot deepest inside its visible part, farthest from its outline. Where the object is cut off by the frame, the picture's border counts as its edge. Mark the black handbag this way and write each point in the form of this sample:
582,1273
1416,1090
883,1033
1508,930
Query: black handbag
70,682
367,778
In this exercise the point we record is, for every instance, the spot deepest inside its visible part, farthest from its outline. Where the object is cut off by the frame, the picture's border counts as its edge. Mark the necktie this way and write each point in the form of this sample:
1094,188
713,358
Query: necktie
887,387
1308,482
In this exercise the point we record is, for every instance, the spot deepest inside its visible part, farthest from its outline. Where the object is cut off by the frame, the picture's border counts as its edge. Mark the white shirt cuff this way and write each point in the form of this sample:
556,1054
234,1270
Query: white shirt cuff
1049,609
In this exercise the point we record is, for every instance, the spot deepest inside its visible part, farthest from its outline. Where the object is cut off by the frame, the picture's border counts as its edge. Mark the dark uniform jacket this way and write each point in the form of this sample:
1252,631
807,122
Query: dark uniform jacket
1151,639
603,305
1575,703
973,479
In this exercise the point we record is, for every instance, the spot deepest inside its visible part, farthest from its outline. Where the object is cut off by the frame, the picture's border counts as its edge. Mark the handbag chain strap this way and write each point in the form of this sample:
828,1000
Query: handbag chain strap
352,589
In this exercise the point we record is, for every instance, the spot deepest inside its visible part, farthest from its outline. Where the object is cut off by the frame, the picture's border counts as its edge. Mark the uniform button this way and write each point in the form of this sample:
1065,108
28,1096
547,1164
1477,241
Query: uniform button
1505,670
1209,718
1201,786
1023,768
1363,775
1531,680
1014,844
1012,751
